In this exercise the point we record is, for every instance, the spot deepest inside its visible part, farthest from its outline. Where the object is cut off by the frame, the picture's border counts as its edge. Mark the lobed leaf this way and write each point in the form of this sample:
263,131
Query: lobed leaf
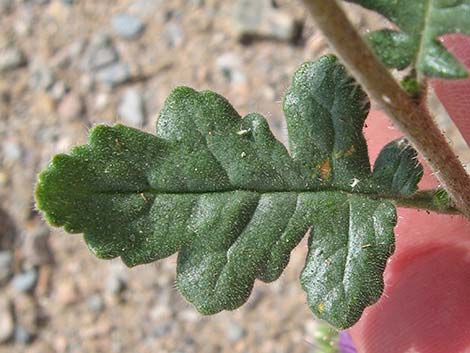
397,168
350,242
417,44
228,197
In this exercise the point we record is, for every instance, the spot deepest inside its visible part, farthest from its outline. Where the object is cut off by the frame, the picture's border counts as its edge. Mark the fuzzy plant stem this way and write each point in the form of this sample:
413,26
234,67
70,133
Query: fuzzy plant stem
410,116
425,200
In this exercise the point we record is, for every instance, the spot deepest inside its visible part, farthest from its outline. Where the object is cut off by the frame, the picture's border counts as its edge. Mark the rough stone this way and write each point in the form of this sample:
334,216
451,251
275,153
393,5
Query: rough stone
230,65
101,101
27,312
41,77
161,329
5,6
173,35
67,55
131,108
234,331
11,58
25,281
23,25
160,313
145,9
127,26
36,246
115,284
114,74
100,53
7,321
6,259
71,107
67,292
12,151
58,90
22,335
96,302
259,19
86,83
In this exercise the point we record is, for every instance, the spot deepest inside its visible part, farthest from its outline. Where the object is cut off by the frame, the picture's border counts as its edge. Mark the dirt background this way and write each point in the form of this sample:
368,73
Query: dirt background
66,65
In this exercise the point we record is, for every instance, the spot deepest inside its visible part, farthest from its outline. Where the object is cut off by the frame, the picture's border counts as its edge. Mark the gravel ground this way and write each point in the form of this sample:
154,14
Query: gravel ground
66,65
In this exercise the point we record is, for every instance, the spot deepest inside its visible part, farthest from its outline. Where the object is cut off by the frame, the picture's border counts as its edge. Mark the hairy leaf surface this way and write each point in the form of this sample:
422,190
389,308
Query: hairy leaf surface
228,197
421,22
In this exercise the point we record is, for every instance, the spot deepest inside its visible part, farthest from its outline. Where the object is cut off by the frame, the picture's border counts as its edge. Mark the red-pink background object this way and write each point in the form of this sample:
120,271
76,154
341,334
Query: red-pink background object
426,304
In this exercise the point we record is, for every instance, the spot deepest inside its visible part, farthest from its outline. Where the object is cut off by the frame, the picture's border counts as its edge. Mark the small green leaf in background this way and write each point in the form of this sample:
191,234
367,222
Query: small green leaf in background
420,22
224,193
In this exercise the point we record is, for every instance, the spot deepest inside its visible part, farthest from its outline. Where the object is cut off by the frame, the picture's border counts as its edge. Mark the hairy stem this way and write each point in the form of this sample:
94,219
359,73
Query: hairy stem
411,117
425,200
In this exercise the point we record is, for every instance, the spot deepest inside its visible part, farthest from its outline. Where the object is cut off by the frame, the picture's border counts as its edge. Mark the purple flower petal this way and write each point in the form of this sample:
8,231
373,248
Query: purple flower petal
345,343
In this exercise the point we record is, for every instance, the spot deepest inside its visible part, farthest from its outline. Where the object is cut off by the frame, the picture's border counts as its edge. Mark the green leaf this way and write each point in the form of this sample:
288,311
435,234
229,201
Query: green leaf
325,111
351,239
224,193
417,44
397,169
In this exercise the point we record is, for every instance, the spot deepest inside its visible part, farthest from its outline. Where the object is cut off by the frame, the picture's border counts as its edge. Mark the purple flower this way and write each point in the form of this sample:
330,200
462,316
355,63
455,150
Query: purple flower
345,343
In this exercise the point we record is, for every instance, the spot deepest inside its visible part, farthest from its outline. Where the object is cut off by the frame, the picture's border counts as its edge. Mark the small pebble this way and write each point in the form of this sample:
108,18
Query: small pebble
230,65
115,284
67,293
259,19
22,335
25,282
160,313
27,312
101,101
6,260
114,75
127,26
145,8
23,25
96,302
71,107
173,35
5,6
11,58
7,322
41,77
36,247
104,56
131,108
58,90
86,83
234,331
161,329
100,53
195,2
67,55
12,151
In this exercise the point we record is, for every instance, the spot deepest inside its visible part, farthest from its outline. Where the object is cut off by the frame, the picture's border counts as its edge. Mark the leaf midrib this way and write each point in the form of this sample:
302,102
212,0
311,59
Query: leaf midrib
396,198
419,200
